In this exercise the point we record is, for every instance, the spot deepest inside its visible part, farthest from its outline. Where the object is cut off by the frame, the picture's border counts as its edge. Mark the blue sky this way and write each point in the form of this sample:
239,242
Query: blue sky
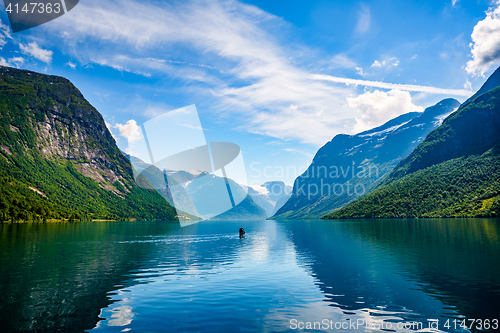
279,78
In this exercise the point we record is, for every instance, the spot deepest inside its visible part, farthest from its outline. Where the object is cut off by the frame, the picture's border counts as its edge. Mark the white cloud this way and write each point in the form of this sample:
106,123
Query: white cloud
364,19
16,61
377,107
4,62
37,52
19,60
4,34
70,64
385,85
259,82
454,2
359,71
130,131
234,62
392,62
485,46
12,62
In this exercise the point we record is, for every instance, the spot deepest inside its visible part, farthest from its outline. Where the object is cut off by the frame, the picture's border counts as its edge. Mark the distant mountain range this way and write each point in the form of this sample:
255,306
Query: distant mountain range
197,188
271,196
58,161
349,166
259,204
454,172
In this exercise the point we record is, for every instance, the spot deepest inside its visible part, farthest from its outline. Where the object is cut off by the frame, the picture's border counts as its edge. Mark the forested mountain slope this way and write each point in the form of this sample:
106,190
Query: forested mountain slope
454,172
59,161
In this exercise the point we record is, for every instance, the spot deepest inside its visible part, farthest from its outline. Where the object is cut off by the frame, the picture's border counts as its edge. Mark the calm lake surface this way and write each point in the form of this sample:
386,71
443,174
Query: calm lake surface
161,277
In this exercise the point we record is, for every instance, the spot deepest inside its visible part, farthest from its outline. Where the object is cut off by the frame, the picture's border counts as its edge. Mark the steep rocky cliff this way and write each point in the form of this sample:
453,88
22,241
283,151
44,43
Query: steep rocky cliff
59,161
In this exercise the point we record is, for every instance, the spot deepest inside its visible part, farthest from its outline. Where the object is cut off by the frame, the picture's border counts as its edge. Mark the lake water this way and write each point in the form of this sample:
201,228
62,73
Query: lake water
282,275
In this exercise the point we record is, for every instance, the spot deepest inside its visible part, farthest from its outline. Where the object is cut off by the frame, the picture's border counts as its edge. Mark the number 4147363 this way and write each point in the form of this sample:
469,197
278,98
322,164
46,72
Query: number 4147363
468,324
35,7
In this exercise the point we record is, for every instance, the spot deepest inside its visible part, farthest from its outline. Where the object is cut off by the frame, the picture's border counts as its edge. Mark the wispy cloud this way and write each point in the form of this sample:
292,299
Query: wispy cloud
142,107
32,49
297,151
342,61
4,62
275,143
260,81
385,85
12,62
4,34
191,126
364,19
233,58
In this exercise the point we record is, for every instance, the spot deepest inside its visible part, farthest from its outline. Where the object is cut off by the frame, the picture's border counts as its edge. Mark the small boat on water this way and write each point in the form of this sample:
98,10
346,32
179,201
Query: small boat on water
242,231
